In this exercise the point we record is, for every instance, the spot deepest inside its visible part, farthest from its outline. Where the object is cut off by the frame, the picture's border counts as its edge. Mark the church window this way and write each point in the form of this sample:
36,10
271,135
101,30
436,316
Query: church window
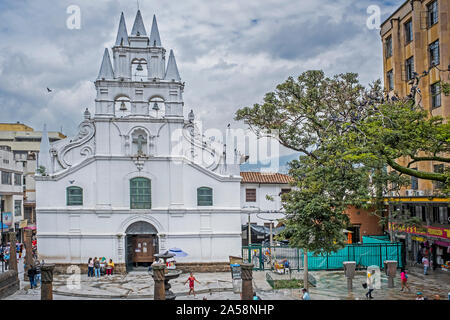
74,196
204,196
140,193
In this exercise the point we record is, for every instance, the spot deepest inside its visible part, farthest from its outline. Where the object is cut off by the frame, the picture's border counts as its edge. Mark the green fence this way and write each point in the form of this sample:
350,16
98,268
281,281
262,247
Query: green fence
365,255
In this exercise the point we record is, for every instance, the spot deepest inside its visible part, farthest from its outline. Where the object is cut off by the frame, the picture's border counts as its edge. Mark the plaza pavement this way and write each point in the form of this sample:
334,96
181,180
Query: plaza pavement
331,285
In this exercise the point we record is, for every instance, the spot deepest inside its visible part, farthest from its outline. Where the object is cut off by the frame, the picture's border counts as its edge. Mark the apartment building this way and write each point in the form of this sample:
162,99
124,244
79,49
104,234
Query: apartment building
24,142
416,40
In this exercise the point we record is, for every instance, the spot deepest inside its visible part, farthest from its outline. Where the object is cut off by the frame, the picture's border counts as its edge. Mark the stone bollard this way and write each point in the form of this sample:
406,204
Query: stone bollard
159,278
247,281
390,266
12,252
28,253
47,281
349,271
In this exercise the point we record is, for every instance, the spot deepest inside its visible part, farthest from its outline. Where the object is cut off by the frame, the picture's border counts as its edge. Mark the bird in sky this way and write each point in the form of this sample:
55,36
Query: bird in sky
49,90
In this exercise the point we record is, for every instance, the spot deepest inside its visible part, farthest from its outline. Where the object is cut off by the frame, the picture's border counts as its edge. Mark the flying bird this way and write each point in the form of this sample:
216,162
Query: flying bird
49,90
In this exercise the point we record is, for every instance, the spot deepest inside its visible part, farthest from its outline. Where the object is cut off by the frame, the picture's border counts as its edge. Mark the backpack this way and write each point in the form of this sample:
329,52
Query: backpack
96,264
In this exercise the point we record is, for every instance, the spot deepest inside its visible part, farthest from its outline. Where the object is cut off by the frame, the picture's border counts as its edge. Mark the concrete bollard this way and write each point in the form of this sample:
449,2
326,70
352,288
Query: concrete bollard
247,281
47,281
349,271
28,253
12,252
390,267
159,277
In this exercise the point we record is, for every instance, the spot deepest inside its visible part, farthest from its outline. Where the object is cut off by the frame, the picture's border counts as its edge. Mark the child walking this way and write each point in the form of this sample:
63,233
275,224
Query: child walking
404,279
191,280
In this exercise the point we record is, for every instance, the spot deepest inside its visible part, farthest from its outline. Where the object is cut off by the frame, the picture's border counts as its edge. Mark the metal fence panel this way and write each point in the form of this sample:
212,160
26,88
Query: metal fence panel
365,255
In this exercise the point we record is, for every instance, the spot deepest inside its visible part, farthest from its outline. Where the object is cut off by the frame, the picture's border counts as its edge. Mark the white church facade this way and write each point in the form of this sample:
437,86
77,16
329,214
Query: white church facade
138,178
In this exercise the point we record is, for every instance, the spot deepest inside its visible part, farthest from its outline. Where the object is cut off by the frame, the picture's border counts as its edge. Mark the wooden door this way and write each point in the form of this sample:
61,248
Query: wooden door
143,249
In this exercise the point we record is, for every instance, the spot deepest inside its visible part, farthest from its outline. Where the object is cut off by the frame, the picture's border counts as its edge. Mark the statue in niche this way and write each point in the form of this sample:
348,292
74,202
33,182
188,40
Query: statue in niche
139,140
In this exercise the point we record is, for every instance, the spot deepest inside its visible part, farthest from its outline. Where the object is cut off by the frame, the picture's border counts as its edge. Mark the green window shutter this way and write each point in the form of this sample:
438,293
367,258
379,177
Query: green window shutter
74,196
140,193
204,196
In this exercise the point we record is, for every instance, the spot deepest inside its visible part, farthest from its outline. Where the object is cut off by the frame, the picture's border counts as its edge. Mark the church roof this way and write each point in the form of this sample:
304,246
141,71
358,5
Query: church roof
106,70
262,177
154,34
172,70
122,34
138,26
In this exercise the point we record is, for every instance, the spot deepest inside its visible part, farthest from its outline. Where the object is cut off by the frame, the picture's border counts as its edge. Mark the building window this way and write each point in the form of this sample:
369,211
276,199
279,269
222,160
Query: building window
17,207
17,179
204,196
408,32
250,195
433,50
140,193
432,13
390,80
74,196
438,168
6,177
388,47
414,182
409,68
285,190
435,95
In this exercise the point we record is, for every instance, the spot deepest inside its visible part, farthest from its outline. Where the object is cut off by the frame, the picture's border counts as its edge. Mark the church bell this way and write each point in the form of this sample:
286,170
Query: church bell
155,106
139,67
123,107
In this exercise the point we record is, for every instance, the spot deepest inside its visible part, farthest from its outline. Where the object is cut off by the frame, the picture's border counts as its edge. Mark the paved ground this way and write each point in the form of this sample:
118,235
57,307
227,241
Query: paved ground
331,285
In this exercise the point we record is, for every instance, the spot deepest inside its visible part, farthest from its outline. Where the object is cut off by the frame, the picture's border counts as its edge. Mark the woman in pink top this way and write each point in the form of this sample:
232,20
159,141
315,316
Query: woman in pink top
404,278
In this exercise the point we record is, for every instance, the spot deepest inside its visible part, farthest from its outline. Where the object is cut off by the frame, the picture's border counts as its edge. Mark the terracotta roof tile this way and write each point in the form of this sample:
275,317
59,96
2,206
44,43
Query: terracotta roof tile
261,177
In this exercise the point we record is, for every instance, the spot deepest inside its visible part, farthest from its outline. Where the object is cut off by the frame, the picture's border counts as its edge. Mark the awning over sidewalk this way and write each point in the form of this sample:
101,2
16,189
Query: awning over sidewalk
263,230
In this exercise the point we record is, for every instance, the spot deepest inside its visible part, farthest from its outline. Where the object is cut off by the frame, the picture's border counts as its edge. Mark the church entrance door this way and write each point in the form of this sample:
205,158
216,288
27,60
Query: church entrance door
141,244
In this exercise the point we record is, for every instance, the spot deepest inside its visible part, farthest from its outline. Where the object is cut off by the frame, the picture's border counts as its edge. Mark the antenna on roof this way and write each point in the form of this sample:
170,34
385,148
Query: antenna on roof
137,4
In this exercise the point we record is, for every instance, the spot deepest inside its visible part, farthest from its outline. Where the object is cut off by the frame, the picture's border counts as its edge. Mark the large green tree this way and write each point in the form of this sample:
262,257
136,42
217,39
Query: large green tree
348,136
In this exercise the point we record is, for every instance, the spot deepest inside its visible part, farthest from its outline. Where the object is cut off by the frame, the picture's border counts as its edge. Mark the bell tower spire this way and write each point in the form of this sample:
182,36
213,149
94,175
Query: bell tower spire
155,41
122,34
106,70
138,26
172,69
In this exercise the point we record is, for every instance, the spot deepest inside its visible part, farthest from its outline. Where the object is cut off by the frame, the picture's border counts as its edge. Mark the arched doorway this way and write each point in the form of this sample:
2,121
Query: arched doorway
142,244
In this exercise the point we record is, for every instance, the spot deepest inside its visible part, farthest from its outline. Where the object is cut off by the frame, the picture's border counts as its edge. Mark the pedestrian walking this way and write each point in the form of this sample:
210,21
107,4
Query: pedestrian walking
31,274
6,259
90,267
404,280
426,265
37,277
305,294
191,280
97,267
370,280
109,267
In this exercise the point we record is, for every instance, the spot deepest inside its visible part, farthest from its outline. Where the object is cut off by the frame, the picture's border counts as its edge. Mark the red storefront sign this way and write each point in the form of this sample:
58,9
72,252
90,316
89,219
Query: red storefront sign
424,231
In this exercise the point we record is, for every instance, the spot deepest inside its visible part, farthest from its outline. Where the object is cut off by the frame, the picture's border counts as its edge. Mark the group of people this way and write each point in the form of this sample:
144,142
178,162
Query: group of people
98,267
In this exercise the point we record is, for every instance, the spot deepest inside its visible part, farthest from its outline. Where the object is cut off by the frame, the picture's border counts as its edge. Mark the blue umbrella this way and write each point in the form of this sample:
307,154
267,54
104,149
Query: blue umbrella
178,252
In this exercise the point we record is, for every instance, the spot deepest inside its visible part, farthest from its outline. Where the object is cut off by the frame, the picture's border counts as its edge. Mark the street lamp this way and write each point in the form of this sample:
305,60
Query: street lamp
248,222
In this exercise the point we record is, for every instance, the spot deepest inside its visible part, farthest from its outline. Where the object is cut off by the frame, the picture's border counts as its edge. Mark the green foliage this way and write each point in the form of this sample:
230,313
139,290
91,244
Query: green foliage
348,136
41,170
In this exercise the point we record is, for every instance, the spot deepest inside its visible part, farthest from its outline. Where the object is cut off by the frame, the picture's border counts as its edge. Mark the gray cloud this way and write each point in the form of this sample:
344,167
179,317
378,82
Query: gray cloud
230,53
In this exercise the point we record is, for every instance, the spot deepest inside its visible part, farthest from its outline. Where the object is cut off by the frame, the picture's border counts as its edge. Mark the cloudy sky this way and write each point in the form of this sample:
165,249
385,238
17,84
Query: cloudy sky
229,53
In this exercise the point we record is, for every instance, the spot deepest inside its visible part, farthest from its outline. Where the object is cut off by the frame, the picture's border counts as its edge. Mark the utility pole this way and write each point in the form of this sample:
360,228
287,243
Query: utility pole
249,231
